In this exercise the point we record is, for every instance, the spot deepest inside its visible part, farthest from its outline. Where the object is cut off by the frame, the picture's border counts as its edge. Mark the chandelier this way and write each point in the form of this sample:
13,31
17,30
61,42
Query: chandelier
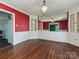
44,7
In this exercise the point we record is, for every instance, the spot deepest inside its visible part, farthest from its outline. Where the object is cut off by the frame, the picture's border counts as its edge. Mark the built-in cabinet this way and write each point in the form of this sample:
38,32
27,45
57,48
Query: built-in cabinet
74,22
77,22
73,34
33,23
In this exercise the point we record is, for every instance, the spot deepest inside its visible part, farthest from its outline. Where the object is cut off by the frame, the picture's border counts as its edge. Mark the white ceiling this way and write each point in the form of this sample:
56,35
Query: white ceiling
33,6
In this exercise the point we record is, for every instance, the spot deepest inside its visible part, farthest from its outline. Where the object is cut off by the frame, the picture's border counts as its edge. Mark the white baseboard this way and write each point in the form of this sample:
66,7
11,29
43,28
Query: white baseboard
23,36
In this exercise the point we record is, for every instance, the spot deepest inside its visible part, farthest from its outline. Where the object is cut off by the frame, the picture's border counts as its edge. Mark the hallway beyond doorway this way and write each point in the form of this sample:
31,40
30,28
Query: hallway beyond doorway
6,28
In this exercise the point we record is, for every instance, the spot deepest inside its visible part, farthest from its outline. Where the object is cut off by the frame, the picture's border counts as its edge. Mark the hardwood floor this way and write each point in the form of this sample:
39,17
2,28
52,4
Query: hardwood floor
40,49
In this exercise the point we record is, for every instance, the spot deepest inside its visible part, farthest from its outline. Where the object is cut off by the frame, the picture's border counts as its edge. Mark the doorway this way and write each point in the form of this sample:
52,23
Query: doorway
6,29
54,27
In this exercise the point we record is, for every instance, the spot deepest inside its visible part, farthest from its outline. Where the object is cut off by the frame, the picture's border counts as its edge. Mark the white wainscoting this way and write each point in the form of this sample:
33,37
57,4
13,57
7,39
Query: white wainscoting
54,36
23,36
73,38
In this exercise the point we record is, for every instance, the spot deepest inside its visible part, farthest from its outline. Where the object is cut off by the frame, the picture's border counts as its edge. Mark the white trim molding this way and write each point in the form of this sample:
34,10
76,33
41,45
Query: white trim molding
14,8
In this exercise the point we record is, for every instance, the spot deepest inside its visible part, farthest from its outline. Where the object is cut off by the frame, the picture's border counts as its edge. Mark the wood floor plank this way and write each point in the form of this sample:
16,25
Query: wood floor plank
40,49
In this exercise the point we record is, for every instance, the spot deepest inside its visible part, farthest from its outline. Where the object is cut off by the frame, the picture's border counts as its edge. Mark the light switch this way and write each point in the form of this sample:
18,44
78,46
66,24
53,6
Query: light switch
17,25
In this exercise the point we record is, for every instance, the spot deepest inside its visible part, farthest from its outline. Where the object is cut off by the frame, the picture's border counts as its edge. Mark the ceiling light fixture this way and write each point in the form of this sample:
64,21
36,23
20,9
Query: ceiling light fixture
52,20
44,7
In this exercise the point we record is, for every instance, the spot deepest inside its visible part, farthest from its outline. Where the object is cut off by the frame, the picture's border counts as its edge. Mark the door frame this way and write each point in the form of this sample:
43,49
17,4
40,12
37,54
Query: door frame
52,24
13,20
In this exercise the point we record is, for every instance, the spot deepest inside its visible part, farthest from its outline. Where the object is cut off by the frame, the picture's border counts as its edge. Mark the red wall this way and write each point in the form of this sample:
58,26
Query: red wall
21,19
46,25
63,25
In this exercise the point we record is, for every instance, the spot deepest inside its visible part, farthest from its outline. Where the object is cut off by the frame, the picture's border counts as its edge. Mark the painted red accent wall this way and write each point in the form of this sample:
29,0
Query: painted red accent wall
21,19
63,25
46,25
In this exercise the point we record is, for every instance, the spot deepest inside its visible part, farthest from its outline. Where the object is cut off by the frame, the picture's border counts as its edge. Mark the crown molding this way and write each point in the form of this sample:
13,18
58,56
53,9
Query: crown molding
14,8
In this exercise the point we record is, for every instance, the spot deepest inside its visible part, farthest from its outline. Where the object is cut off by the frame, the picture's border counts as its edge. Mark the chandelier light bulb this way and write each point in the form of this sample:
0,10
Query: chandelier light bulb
44,8
52,21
